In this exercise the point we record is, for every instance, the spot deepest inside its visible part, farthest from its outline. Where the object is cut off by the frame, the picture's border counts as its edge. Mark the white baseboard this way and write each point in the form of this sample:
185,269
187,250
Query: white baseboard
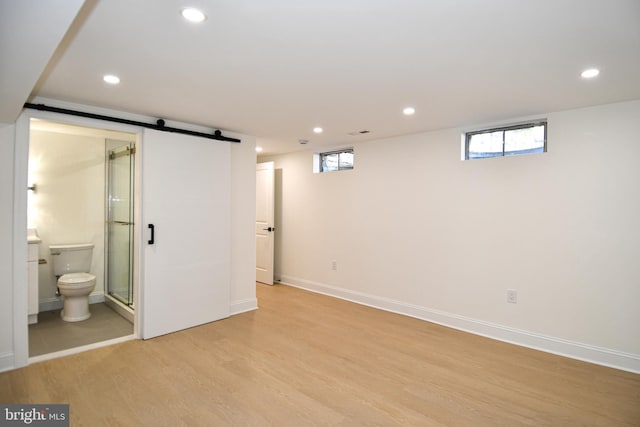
55,303
6,362
585,352
243,306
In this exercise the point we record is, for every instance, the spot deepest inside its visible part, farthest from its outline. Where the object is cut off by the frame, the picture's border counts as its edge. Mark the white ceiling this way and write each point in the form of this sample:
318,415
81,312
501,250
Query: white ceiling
277,68
30,32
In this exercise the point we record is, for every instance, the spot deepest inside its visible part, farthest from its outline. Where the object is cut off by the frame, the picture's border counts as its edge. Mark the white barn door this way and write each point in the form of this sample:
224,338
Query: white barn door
186,267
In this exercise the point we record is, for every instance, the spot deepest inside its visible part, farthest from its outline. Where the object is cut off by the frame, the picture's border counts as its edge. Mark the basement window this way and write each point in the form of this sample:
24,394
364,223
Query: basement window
528,138
332,161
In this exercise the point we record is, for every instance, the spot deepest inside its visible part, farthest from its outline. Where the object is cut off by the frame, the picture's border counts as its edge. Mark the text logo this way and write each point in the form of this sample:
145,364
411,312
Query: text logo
34,415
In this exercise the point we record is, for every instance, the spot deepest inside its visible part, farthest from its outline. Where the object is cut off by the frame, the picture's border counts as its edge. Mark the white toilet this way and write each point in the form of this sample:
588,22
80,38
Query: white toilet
71,264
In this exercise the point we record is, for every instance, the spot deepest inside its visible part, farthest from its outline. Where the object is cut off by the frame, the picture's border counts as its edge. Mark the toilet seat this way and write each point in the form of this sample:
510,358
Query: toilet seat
76,279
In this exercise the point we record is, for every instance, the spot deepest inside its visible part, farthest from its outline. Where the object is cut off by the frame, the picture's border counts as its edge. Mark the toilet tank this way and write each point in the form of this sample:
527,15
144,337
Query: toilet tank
71,258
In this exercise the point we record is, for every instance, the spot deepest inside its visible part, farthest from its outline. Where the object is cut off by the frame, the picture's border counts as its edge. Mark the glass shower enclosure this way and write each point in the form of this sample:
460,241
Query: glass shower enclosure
120,222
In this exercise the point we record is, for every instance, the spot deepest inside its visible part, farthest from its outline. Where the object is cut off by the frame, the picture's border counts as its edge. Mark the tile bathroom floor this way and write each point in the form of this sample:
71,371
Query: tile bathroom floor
51,333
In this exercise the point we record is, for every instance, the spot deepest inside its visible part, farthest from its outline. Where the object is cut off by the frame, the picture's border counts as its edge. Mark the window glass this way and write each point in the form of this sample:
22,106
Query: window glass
329,162
345,160
524,141
507,141
485,145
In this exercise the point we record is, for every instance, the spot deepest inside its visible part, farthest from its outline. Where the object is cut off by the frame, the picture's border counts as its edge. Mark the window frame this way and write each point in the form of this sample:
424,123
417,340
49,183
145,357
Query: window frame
321,155
468,135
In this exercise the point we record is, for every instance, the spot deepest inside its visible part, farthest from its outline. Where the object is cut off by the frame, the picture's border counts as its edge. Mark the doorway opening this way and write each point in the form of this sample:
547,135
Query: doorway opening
72,183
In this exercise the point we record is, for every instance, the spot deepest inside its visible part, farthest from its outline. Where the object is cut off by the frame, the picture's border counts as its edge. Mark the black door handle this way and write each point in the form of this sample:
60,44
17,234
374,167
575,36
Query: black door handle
153,234
269,229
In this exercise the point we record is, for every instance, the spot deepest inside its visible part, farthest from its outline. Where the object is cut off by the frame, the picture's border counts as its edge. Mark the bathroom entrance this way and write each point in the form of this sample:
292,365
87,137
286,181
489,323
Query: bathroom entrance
119,252
81,192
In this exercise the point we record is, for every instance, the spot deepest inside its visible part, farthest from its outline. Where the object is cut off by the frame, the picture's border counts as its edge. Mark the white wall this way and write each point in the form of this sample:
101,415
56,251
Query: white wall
243,219
416,230
69,204
6,247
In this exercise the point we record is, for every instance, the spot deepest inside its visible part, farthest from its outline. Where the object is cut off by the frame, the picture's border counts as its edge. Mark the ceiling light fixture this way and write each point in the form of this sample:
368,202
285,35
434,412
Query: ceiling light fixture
317,130
408,111
258,149
193,15
111,79
590,73
303,141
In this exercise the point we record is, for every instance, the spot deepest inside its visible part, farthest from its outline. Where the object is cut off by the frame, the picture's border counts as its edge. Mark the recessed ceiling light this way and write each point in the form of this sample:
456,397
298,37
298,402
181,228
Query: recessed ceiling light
258,149
317,130
408,111
590,73
303,141
193,15
111,79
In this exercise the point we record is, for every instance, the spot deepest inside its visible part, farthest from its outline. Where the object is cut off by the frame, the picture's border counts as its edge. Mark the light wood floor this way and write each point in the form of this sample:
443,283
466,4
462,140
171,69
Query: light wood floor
306,359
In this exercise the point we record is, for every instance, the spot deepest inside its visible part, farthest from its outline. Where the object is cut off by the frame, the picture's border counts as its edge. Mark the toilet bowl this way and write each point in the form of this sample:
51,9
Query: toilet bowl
75,288
71,265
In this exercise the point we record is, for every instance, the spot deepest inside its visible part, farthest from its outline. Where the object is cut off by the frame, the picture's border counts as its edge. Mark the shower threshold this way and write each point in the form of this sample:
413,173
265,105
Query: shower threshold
123,310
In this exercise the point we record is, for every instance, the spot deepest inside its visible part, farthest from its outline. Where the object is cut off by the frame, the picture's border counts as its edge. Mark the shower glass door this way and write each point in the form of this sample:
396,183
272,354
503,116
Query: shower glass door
119,253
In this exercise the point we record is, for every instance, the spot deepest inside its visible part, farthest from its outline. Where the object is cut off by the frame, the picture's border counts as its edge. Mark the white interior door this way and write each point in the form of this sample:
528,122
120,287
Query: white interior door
265,183
186,186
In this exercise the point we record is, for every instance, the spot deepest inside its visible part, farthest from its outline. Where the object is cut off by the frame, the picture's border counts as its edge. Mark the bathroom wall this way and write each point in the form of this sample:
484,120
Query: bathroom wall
69,204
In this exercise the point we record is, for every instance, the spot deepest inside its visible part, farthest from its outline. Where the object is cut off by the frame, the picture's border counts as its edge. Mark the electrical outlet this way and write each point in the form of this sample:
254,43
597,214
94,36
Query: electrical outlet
334,265
512,296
